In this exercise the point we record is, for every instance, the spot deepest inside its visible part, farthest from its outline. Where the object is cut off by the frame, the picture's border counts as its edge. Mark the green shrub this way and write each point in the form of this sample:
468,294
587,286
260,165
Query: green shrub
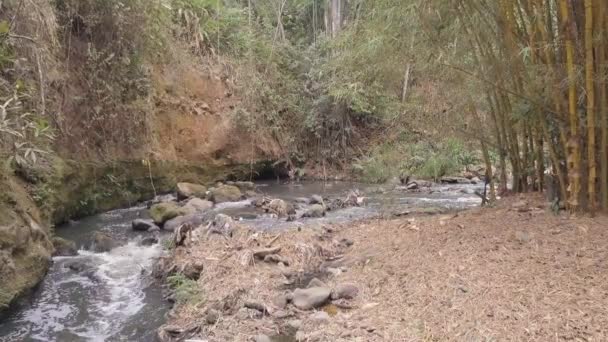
186,290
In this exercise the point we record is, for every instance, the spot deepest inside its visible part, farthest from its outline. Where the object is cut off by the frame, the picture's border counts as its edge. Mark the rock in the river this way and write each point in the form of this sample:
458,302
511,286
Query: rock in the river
149,241
346,291
198,205
64,247
455,180
317,199
311,298
142,225
315,210
222,224
280,208
244,186
163,212
225,193
186,190
103,242
194,220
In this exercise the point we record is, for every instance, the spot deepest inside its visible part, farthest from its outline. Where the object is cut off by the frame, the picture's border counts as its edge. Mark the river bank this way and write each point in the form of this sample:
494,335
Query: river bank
513,272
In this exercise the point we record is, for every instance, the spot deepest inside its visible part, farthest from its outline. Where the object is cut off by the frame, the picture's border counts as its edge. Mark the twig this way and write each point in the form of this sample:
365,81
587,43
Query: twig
273,240
18,36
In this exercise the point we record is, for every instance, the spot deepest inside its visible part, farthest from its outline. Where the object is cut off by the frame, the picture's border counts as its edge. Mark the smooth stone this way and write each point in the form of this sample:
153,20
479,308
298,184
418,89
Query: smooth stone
311,298
186,190
142,225
346,291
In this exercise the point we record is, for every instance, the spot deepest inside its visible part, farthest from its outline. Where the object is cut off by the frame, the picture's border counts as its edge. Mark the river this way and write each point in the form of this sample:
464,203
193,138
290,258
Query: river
111,296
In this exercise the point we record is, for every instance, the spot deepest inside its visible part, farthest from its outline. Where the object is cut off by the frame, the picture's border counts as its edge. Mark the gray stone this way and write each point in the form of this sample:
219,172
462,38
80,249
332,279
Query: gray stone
320,317
311,298
63,247
225,193
245,186
142,225
315,211
279,302
103,242
186,190
149,241
317,199
316,282
346,291
262,338
280,208
198,205
294,324
192,269
194,220
212,316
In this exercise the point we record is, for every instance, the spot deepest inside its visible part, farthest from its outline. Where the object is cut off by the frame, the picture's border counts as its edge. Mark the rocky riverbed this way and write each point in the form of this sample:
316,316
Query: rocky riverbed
102,265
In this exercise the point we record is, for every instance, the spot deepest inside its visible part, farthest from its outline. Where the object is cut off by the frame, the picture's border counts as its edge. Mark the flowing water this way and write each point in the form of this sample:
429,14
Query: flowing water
111,297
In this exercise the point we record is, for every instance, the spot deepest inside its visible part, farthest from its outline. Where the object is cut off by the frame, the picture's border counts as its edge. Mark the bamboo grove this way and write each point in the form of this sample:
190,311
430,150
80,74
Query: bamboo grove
542,66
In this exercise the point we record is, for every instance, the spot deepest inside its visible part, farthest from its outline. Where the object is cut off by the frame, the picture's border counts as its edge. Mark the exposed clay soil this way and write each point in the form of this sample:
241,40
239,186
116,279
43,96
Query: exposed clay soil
510,273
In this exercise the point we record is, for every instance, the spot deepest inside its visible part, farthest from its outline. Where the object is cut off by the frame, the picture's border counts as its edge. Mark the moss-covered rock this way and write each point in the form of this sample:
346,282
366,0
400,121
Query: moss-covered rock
186,190
25,248
163,212
63,247
225,193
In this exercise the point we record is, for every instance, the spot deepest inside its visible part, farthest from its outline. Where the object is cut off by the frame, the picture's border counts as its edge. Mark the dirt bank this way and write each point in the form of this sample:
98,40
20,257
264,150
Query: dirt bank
510,273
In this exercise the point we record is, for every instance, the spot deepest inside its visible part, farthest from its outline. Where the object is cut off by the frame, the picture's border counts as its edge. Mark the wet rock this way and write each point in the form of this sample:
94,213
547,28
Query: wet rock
315,211
280,208
163,212
142,225
198,205
154,229
225,193
63,247
259,202
192,269
345,291
262,338
317,199
412,186
222,224
194,220
302,200
320,317
311,298
186,190
454,180
244,186
77,266
103,242
212,316
149,241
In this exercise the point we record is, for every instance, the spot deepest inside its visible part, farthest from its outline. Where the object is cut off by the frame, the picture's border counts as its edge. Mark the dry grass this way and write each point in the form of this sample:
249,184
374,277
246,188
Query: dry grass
497,274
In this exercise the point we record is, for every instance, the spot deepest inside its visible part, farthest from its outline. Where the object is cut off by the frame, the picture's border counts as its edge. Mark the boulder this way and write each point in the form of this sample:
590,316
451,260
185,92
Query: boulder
163,212
198,205
225,193
103,242
346,291
315,210
186,190
192,269
317,199
194,220
142,225
311,298
245,186
63,247
320,317
280,208
149,241
454,180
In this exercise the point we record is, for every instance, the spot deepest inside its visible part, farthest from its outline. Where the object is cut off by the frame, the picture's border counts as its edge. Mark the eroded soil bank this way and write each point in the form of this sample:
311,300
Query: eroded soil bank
510,273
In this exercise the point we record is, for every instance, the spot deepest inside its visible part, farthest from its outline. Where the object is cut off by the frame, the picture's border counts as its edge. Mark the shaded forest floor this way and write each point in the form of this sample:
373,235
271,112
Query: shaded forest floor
515,272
